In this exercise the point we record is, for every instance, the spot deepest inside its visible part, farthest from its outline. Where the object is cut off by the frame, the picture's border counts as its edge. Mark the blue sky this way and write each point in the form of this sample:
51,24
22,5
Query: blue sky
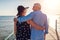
9,7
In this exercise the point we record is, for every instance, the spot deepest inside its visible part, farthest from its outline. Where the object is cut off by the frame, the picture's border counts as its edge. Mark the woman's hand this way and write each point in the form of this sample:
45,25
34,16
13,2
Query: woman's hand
28,21
15,33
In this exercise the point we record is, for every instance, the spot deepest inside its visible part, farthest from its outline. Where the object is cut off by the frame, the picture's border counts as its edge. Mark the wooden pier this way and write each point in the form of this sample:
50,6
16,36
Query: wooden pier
50,36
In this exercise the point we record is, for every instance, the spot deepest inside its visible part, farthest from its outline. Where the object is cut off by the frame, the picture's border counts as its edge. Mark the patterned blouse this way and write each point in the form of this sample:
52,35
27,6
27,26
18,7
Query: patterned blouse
23,31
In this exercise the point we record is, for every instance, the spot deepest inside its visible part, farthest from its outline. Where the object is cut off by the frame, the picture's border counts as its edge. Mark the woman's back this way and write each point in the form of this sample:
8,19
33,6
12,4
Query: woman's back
23,31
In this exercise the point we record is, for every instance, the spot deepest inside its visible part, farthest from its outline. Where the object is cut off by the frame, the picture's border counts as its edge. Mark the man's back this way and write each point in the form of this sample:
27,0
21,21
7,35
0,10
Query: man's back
39,18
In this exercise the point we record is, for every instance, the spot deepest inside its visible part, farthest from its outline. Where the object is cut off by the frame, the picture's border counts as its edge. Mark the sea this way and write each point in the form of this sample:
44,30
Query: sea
6,26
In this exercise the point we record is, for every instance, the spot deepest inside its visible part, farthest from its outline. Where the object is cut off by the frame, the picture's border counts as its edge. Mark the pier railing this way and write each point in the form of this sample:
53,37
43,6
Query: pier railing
53,33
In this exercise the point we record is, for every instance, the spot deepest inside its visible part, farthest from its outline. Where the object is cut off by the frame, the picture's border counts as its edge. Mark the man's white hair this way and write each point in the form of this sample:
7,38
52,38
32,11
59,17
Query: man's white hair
37,4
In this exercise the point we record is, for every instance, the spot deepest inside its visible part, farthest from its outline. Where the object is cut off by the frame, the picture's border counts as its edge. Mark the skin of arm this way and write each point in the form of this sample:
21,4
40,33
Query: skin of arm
36,26
15,29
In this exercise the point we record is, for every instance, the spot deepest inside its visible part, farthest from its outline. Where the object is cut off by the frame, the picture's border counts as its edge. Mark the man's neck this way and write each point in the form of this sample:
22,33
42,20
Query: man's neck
36,10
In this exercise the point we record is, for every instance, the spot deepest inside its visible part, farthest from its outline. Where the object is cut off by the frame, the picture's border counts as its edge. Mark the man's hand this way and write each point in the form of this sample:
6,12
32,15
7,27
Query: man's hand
44,36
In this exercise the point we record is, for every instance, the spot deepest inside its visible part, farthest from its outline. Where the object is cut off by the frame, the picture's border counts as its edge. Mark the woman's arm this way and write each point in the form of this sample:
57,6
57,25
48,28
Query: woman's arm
15,29
35,25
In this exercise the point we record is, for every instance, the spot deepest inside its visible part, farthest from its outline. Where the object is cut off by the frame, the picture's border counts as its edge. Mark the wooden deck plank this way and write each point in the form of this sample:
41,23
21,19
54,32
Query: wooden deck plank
51,35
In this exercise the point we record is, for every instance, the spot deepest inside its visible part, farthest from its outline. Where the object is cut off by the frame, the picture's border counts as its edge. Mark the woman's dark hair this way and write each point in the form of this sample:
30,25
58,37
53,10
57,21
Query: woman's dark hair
20,9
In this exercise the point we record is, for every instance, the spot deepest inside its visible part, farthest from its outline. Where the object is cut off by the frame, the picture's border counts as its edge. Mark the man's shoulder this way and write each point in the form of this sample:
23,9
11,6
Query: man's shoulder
44,15
32,13
38,13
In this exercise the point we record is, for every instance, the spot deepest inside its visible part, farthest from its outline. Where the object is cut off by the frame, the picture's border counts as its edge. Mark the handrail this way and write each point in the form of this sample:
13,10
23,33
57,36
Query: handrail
9,36
56,31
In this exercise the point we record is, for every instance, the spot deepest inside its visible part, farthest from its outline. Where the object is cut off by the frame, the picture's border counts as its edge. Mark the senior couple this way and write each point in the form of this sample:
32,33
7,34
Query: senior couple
31,27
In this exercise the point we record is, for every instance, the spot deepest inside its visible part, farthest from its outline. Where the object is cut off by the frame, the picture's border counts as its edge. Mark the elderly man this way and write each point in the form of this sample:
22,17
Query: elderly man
39,18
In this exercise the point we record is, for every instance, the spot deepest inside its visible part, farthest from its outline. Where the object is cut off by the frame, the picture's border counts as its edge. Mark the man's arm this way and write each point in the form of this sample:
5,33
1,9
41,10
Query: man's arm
25,18
36,26
46,25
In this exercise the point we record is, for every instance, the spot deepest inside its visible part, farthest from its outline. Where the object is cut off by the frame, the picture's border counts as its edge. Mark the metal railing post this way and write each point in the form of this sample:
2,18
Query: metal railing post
56,30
